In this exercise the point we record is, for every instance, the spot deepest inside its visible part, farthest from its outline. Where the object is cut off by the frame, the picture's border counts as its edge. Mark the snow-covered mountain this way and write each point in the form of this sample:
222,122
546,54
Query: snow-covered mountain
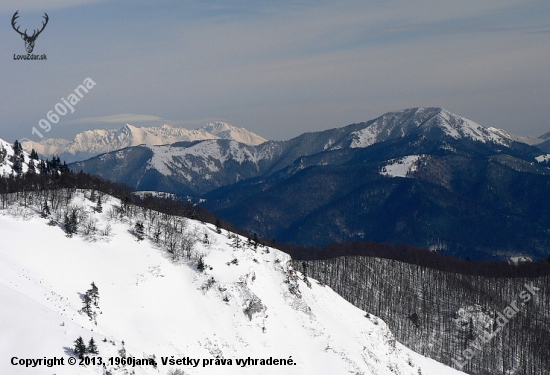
93,142
219,302
425,121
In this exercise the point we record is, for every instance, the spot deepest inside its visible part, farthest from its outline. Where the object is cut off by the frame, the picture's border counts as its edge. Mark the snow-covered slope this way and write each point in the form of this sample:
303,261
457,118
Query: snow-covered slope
425,120
401,167
246,304
6,163
93,142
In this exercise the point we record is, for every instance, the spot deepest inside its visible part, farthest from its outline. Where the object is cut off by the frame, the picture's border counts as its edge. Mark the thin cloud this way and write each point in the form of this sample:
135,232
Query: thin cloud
120,118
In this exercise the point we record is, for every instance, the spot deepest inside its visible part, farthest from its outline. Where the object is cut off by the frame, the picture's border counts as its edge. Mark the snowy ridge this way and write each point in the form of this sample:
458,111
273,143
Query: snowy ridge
516,138
246,303
93,142
403,123
204,157
225,131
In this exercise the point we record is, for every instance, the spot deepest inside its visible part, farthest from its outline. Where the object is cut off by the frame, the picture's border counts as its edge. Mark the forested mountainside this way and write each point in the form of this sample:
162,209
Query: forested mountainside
86,275
449,316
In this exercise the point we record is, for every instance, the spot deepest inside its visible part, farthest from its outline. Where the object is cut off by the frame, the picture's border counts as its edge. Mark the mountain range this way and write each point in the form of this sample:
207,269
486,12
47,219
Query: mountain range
421,176
93,142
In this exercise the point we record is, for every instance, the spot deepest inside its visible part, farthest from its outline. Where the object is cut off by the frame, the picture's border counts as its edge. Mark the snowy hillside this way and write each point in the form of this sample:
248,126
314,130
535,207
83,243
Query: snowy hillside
93,142
7,161
246,303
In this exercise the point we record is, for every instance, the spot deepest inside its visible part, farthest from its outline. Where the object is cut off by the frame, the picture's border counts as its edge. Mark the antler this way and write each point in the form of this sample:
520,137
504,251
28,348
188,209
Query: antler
15,16
36,33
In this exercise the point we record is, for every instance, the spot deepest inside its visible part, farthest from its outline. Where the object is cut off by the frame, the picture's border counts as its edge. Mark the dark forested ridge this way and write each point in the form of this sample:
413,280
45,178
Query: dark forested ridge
420,257
442,314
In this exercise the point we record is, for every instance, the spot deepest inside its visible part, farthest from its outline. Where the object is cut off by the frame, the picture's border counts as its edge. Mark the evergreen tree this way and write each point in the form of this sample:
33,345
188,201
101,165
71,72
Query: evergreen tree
34,155
17,148
45,210
92,347
32,168
200,265
218,226
3,153
99,207
139,230
87,305
71,223
79,347
94,294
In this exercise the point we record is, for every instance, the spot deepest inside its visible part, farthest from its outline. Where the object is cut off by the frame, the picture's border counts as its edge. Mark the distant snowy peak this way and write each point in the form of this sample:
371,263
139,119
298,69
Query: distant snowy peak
93,142
224,130
423,121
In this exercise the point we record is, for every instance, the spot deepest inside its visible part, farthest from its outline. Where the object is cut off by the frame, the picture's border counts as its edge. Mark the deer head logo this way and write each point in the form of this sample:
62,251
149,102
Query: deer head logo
29,40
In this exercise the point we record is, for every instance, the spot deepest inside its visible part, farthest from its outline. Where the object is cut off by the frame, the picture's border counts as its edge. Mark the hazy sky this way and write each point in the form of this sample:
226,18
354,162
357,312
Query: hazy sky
278,68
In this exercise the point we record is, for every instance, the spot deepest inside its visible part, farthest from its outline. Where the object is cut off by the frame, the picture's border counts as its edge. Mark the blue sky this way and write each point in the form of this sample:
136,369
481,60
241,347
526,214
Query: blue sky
277,68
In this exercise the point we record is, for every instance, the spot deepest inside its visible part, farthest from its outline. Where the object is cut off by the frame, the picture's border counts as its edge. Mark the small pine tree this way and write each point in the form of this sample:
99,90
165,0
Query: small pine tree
94,294
200,265
71,223
139,230
92,347
87,305
79,347
99,207
34,155
218,226
45,210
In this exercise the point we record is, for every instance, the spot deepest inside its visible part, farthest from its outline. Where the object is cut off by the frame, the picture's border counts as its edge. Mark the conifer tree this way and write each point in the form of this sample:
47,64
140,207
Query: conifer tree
45,210
92,347
200,265
99,207
139,230
94,294
87,305
79,347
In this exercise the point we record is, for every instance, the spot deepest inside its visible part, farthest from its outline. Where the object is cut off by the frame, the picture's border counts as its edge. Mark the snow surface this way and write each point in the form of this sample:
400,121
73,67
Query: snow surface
401,167
164,308
543,158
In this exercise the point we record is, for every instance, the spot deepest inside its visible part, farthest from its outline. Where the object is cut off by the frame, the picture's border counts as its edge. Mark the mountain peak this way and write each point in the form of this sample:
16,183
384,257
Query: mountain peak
429,121
224,130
